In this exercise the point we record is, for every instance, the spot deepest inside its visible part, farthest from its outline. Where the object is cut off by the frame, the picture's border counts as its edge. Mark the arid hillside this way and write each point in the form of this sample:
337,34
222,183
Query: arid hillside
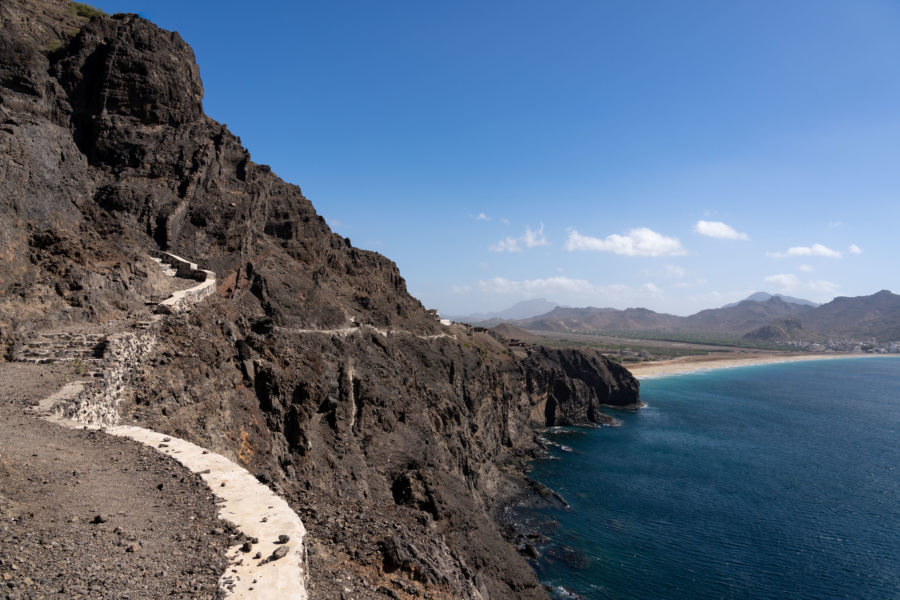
394,437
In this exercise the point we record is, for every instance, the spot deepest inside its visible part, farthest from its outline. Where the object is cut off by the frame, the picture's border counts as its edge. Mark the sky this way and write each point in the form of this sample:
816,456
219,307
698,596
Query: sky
671,155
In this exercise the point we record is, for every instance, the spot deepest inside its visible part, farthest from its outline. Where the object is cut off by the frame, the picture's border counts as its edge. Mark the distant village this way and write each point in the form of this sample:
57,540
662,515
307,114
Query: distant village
845,345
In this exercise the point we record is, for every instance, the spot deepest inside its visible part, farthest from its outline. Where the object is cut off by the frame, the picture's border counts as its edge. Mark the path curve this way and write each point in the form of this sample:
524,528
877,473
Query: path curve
271,563
256,511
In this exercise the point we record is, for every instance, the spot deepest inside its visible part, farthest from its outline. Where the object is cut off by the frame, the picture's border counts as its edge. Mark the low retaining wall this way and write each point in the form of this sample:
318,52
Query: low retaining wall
100,407
98,404
273,564
188,270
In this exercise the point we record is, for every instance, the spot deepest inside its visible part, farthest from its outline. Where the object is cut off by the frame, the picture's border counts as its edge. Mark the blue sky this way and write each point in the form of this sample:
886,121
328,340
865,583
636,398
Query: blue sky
672,155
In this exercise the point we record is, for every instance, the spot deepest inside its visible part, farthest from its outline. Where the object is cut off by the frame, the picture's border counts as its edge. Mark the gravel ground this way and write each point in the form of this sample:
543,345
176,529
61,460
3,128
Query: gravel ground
87,515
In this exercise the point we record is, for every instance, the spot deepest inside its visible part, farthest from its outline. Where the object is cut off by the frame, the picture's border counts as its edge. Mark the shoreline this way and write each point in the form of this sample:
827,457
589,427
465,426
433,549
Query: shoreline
694,364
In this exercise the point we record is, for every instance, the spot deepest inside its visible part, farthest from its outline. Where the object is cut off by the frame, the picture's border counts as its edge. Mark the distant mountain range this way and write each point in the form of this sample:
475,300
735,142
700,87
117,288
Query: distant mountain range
520,310
762,316
876,316
736,319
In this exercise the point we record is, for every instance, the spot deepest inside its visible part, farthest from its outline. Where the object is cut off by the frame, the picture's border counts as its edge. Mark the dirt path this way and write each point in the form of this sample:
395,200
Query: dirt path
88,515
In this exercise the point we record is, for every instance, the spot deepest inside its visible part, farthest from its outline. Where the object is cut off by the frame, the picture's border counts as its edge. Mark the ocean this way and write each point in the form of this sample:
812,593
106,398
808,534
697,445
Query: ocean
768,481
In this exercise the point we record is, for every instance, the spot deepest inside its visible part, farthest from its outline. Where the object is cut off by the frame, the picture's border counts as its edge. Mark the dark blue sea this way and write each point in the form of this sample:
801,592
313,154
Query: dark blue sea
770,481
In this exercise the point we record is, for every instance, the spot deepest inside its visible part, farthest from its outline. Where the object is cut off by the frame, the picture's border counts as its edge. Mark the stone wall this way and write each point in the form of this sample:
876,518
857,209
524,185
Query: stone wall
97,405
188,270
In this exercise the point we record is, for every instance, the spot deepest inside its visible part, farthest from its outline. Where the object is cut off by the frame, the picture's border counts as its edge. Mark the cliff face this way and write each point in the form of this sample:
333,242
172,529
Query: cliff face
388,432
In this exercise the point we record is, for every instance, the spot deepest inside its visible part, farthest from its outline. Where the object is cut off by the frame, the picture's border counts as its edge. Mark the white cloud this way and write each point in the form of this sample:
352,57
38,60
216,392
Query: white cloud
854,249
460,289
814,250
641,241
578,291
675,272
715,298
825,287
504,220
481,217
535,238
806,268
783,280
700,282
530,239
719,230
788,282
536,287
507,245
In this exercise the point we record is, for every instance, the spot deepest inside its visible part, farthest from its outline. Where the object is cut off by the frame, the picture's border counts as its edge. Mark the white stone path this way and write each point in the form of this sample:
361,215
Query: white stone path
183,298
253,508
345,331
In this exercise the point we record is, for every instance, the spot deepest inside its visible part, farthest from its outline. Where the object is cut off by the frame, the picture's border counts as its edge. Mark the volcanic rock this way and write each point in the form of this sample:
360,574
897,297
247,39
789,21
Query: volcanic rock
396,436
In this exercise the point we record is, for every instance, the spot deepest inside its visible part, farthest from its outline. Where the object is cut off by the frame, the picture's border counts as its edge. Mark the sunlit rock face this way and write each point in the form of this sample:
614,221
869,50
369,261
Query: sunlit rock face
393,436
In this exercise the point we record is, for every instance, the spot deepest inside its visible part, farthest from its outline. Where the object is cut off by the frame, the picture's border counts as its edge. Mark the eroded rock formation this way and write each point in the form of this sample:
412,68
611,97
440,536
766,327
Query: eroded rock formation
392,435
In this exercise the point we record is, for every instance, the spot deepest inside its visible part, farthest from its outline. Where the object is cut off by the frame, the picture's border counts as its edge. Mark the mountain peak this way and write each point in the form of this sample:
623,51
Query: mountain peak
765,297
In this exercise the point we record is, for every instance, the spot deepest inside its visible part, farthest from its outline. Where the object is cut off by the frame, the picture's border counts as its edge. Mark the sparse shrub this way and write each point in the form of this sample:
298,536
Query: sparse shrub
78,367
85,11
54,45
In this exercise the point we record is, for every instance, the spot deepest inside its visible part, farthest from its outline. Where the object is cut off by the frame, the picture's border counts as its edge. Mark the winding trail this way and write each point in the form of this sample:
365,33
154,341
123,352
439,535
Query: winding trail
273,562
346,331
255,510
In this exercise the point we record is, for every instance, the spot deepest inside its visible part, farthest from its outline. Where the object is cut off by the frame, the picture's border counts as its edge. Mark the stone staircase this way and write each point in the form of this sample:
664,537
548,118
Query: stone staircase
98,403
111,356
84,350
105,358
107,355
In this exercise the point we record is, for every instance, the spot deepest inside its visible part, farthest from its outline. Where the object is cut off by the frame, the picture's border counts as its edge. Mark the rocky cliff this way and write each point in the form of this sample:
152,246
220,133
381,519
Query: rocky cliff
392,435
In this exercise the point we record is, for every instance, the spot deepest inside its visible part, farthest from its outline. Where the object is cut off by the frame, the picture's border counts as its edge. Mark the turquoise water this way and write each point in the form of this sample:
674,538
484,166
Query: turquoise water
771,481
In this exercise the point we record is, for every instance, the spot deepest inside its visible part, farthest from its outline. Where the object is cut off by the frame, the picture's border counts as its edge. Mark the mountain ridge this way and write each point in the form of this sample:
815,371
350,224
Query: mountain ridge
875,316
395,438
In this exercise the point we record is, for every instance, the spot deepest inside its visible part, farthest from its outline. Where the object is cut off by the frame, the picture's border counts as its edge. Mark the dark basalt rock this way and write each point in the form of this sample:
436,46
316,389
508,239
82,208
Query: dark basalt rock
580,384
394,447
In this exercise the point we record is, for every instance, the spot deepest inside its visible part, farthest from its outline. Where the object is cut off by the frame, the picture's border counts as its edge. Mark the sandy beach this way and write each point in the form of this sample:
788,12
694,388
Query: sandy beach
689,364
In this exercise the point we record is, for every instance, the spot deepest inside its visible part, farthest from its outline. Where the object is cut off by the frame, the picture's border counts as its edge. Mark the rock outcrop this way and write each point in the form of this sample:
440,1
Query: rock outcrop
392,435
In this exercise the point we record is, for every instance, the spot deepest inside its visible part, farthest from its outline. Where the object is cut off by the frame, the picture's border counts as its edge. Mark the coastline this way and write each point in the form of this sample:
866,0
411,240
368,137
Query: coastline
692,364
730,423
